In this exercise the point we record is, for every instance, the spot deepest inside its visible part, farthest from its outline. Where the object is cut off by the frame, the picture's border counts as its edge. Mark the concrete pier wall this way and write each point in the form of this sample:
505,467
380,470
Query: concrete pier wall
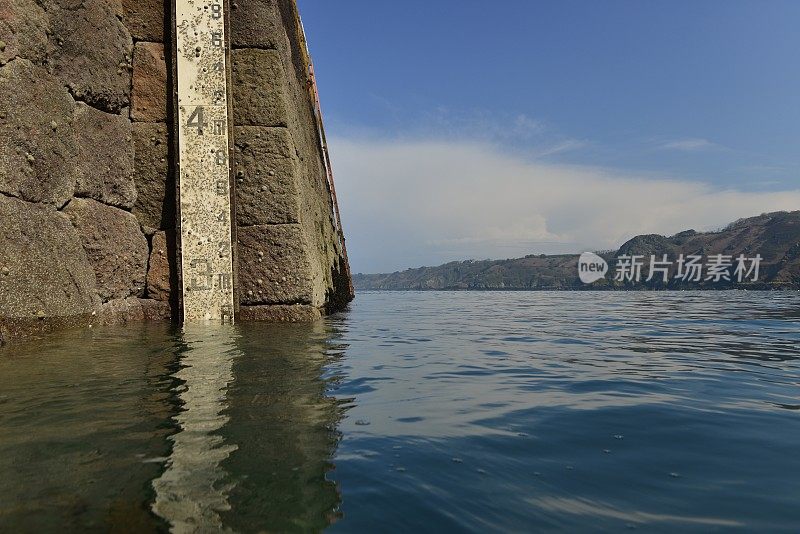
87,189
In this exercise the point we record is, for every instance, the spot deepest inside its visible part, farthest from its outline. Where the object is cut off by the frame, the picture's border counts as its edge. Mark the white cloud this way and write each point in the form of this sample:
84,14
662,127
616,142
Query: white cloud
478,124
690,145
411,203
567,145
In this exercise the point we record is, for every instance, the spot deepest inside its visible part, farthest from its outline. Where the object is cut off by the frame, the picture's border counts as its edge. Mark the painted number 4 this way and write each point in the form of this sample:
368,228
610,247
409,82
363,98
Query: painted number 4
196,119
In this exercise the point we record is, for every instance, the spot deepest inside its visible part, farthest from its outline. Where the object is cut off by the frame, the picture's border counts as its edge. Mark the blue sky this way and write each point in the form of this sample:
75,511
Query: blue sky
564,105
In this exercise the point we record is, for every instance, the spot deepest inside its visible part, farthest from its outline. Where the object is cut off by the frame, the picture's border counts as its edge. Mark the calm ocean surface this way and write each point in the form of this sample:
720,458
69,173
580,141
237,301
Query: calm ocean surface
423,412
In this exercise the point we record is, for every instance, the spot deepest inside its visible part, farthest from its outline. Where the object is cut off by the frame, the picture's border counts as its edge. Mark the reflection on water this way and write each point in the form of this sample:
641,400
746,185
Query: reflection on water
80,416
191,491
285,425
441,412
150,428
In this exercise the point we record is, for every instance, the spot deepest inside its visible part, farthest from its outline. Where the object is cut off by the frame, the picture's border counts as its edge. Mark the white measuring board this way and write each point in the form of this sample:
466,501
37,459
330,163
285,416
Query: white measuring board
204,184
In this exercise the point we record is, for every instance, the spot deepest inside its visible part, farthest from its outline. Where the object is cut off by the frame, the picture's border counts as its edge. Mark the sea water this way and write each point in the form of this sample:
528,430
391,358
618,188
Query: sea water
417,411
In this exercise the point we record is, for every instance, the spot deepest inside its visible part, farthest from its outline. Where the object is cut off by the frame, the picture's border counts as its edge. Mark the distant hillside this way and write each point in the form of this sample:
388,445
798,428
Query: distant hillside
775,236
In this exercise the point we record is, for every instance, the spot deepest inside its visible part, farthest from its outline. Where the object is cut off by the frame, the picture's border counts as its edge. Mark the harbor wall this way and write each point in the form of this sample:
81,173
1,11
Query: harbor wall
87,181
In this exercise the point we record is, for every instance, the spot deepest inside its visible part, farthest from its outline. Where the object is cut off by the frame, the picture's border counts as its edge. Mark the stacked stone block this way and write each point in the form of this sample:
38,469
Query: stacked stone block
70,246
150,115
291,261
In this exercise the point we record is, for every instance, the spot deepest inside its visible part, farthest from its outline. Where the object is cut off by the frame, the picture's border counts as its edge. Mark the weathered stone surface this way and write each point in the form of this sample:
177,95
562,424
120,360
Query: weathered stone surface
256,24
259,88
44,270
318,222
273,266
144,19
266,167
149,94
19,329
38,151
23,31
90,51
115,246
155,188
159,272
280,313
105,157
154,310
120,311
325,249
317,218
131,310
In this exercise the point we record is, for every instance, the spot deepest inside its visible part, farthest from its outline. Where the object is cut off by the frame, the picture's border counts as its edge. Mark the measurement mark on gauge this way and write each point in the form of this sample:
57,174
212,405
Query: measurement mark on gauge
204,163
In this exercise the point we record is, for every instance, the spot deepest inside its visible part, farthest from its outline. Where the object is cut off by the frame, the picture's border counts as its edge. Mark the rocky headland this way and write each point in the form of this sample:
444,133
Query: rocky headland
773,236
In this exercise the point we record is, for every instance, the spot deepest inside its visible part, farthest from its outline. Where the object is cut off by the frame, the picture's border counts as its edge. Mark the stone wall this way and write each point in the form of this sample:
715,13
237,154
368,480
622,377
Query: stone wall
87,191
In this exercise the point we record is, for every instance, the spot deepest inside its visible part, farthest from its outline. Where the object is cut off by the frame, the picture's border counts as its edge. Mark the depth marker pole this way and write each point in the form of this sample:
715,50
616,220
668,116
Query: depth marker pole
204,167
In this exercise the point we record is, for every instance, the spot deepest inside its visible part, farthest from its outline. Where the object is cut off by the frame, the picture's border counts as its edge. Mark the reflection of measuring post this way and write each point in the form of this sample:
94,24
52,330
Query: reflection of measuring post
207,244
